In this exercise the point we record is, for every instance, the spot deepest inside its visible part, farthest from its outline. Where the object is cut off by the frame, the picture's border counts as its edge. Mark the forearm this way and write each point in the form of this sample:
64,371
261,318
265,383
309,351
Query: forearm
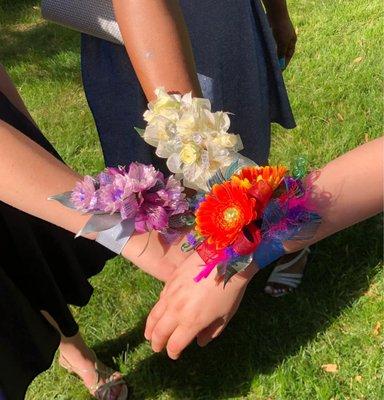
348,190
276,8
353,183
7,86
157,42
29,175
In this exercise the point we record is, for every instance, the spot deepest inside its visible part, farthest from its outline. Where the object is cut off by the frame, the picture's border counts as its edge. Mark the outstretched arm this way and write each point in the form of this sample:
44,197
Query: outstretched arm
7,87
354,185
29,175
158,45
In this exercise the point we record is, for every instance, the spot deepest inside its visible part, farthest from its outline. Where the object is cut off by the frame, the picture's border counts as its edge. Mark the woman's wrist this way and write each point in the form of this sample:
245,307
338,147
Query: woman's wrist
246,275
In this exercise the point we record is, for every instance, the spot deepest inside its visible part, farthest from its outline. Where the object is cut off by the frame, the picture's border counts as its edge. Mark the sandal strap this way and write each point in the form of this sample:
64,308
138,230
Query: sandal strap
103,391
99,391
282,267
298,275
105,374
290,279
290,282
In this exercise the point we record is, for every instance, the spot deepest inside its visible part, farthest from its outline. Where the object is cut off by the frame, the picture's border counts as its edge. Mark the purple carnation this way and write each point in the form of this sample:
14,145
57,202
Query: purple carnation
84,195
173,196
113,195
105,178
138,191
142,177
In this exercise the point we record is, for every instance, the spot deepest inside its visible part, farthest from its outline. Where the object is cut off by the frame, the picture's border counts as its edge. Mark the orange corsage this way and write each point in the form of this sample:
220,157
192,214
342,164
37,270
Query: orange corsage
249,176
224,212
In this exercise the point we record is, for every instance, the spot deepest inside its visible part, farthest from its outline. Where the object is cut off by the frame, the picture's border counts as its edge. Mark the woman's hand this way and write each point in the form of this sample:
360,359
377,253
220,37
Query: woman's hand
285,36
150,252
282,28
187,309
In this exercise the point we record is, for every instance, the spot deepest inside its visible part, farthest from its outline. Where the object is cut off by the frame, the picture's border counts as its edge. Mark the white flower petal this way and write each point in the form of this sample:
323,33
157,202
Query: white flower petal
174,163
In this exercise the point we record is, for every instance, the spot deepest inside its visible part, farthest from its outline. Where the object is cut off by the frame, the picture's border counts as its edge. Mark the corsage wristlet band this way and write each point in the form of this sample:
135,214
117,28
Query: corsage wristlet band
248,217
197,146
124,200
242,212
247,211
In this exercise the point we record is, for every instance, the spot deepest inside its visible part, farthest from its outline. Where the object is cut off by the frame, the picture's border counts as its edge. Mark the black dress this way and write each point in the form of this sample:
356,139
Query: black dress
42,267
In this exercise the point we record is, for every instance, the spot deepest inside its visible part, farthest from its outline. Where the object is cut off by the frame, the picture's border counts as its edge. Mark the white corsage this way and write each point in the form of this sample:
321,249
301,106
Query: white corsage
194,140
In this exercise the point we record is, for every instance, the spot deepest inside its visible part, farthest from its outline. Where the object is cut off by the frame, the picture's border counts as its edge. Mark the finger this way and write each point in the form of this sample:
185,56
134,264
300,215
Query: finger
211,332
179,340
170,288
154,316
162,331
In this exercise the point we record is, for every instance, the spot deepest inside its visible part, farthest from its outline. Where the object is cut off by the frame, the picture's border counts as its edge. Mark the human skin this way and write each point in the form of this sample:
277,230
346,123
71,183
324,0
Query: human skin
282,28
353,187
29,175
157,42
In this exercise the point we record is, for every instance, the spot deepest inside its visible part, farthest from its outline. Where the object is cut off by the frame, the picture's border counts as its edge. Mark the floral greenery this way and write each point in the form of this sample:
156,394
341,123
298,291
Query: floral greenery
273,349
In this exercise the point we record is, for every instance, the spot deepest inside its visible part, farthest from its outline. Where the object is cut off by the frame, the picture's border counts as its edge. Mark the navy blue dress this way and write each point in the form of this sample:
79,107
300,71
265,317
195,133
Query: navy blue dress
238,70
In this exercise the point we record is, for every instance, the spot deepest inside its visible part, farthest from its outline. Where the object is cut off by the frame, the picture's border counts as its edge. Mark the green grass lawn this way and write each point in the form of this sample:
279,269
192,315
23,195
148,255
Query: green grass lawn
274,348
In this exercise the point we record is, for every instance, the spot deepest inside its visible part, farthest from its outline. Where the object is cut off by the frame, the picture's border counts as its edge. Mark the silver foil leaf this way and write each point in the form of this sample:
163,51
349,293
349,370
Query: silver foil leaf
140,131
236,266
64,199
127,228
99,222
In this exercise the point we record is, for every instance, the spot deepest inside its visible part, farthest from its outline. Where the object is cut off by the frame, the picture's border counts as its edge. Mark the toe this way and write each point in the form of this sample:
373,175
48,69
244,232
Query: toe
277,291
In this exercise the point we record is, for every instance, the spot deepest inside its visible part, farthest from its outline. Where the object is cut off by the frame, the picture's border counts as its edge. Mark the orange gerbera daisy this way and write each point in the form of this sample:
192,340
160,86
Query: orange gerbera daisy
223,214
249,176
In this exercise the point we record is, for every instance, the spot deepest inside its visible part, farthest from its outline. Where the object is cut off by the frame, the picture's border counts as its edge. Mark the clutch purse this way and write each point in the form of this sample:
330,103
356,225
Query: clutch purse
93,17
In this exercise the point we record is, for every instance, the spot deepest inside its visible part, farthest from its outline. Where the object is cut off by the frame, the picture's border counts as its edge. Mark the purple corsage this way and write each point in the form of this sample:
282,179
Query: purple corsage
136,196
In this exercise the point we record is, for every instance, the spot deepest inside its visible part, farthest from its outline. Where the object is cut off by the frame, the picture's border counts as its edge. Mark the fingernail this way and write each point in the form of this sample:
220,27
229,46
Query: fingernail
173,356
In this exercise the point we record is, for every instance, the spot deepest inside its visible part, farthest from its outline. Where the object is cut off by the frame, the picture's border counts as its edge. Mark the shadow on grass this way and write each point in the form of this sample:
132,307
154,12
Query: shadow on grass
11,11
49,50
265,331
